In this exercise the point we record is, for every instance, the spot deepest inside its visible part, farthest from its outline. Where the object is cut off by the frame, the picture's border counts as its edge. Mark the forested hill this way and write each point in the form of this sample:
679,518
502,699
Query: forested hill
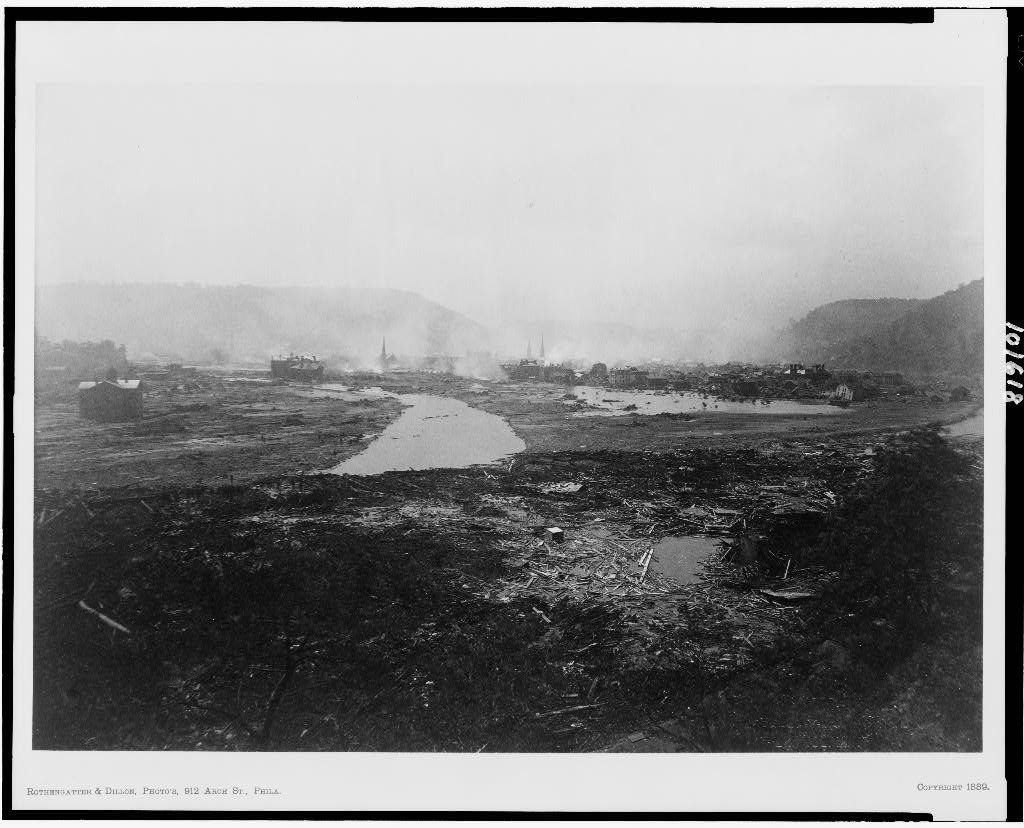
940,335
827,326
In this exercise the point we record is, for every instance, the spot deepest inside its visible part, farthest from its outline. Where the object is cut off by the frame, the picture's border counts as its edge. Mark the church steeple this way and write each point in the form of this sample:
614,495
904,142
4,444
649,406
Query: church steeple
383,354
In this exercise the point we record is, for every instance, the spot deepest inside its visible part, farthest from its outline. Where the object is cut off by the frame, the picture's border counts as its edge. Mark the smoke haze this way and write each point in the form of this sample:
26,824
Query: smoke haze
644,218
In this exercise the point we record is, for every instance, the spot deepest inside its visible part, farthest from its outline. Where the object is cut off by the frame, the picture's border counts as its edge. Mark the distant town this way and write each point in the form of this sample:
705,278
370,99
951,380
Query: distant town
111,388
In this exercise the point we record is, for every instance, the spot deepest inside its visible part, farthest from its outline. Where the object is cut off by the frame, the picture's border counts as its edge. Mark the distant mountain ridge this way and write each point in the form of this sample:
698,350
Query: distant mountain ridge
944,334
827,326
244,323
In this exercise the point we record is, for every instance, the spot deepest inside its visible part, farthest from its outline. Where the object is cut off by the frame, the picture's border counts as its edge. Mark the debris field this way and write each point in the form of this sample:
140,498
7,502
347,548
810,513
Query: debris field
519,606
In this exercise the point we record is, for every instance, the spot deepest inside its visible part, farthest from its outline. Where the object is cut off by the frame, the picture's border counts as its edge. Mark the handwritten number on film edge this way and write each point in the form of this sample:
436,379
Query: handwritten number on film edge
1013,338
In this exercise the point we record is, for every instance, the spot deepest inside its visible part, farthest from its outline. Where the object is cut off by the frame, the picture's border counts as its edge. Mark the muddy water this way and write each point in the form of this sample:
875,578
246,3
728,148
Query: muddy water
434,433
336,391
681,557
611,402
973,426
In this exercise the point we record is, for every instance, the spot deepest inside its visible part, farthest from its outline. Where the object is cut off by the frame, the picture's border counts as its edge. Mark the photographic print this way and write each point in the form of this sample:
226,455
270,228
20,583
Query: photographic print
467,415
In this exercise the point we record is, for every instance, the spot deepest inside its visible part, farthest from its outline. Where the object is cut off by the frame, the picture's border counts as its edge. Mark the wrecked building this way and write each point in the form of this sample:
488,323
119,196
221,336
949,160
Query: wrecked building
295,367
524,370
860,390
818,375
531,370
746,388
628,378
110,400
889,379
559,374
801,374
848,377
842,394
598,374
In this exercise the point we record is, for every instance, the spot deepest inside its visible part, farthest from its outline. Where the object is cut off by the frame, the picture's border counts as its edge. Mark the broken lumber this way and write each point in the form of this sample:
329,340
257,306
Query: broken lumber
110,622
650,554
51,518
786,595
568,710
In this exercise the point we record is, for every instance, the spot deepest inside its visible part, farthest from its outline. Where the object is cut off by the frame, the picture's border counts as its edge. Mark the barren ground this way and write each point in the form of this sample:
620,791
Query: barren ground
271,606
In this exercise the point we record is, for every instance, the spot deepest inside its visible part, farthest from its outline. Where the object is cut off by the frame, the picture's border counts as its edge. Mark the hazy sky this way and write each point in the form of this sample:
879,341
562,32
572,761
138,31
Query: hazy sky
661,205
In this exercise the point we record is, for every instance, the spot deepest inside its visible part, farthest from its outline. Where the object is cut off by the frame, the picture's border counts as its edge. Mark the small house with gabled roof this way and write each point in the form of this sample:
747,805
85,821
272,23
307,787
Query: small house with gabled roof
110,401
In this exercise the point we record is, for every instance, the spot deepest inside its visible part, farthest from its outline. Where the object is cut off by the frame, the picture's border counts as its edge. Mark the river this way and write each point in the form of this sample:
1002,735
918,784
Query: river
435,433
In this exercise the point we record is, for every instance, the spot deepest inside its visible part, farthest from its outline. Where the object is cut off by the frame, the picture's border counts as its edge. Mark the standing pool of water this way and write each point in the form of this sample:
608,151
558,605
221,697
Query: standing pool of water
435,433
681,557
614,402
973,426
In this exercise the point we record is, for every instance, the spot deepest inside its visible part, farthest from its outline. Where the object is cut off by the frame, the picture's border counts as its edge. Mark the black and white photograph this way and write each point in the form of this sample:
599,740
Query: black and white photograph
525,389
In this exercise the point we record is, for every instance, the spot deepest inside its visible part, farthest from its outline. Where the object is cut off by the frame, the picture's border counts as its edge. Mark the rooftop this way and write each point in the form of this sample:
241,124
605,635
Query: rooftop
127,385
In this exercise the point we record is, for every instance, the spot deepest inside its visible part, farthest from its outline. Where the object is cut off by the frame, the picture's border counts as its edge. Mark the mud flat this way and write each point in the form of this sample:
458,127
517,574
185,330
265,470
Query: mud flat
211,431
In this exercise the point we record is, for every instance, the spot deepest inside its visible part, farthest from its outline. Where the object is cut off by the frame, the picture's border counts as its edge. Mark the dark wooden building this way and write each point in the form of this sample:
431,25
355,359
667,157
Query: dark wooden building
110,401
294,367
524,370
628,378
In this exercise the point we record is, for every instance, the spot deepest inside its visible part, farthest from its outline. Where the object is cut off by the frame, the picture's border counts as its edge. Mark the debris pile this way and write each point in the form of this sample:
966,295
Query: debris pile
586,567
